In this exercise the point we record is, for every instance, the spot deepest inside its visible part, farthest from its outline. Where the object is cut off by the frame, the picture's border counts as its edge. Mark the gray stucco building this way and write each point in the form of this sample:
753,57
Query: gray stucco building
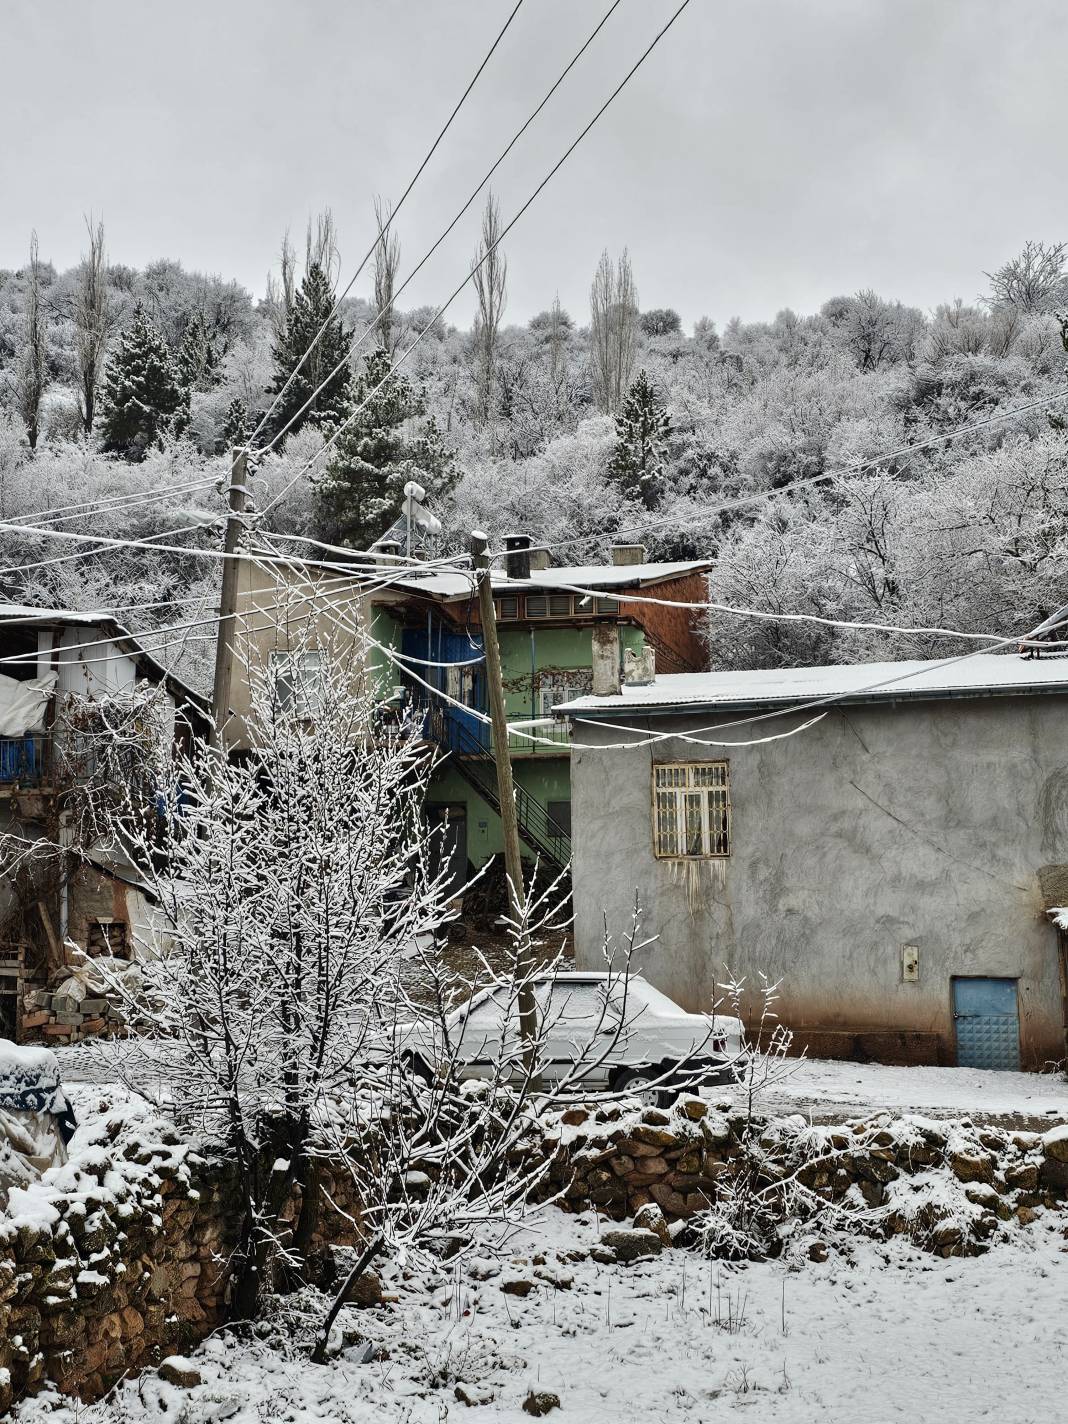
894,864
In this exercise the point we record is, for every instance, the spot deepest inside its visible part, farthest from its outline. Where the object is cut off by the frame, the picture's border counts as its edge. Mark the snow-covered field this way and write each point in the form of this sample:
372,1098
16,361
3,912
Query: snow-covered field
886,1334
827,1089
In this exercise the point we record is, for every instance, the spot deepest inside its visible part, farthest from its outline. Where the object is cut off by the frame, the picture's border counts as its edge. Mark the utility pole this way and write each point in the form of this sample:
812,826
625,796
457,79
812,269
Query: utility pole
224,647
513,863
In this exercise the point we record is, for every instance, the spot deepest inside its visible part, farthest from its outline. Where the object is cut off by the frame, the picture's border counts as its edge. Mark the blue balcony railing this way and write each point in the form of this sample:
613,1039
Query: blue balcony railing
24,760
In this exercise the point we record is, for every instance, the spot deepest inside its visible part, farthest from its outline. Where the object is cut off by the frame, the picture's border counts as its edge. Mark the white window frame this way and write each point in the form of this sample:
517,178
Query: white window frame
691,809
553,691
296,680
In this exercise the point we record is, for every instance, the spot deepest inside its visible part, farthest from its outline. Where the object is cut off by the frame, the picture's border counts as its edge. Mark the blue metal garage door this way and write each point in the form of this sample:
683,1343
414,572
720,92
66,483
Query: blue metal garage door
988,1023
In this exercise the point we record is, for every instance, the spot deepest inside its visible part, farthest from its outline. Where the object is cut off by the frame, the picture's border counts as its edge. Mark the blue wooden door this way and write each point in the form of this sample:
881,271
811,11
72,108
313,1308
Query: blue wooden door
988,1023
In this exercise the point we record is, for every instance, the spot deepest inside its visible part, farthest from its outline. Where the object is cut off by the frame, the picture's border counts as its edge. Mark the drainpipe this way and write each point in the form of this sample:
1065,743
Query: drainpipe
64,885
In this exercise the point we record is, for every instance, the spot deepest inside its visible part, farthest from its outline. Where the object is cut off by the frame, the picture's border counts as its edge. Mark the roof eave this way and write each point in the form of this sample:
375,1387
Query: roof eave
786,704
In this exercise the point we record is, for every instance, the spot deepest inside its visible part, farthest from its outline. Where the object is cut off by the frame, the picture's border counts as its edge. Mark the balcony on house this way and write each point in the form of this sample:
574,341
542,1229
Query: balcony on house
25,761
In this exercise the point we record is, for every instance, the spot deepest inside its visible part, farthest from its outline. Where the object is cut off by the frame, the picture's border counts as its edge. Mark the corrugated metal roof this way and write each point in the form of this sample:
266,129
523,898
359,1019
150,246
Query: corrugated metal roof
452,584
981,675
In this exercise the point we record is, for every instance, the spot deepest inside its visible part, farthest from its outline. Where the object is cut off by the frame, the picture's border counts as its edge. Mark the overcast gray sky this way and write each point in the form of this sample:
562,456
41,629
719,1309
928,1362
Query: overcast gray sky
770,153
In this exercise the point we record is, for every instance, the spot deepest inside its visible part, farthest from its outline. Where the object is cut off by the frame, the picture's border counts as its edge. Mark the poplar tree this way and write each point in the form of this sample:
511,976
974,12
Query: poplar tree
389,442
642,426
143,391
311,309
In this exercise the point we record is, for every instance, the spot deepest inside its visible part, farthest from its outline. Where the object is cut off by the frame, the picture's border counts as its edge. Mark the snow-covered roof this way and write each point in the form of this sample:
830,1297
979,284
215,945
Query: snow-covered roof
449,583
26,613
981,675
148,666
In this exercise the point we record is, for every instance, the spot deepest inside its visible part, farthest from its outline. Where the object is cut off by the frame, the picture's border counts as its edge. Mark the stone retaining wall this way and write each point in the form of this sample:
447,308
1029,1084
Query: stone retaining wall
118,1259
949,1185
113,1262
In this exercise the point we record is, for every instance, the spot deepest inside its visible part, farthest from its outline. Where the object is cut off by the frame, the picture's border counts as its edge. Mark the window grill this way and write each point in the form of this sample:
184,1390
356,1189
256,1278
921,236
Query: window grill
508,608
607,605
537,605
692,810
559,605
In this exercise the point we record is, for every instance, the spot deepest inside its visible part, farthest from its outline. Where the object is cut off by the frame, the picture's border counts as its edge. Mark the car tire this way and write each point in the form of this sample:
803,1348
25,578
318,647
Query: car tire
637,1082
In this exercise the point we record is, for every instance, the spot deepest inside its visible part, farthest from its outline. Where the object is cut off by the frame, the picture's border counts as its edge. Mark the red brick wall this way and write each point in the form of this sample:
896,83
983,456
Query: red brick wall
678,627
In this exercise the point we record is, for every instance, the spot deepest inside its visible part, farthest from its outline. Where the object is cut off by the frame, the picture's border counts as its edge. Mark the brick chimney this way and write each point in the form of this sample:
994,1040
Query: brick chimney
517,555
625,554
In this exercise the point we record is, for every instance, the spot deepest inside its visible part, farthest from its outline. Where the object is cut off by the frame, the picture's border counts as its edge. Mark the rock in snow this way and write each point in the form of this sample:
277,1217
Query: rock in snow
176,1369
634,1244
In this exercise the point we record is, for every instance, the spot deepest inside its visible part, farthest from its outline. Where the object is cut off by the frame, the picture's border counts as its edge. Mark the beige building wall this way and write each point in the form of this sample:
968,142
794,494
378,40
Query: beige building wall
302,607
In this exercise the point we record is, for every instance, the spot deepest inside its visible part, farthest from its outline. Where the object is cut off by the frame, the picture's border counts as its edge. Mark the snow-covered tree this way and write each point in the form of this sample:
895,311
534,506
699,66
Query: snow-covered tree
386,262
326,357
613,329
642,427
92,313
33,373
236,427
143,390
490,276
1034,280
388,442
197,360
292,880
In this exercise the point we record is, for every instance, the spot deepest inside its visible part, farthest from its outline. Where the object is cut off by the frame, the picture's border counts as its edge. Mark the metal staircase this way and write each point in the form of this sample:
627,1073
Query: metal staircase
471,756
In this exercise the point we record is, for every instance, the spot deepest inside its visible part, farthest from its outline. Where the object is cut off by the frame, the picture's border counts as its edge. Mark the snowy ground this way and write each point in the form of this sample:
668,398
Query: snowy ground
823,1089
888,1335
829,1091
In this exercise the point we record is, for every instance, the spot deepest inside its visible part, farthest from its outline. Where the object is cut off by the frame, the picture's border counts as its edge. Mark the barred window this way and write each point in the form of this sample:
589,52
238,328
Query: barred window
691,810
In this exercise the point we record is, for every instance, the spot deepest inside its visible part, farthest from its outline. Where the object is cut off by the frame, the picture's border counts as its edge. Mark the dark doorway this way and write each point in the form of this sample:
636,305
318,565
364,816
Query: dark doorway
449,823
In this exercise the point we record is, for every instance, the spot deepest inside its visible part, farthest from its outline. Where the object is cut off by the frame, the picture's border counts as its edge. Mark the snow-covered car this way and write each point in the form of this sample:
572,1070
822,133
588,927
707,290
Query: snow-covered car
601,1031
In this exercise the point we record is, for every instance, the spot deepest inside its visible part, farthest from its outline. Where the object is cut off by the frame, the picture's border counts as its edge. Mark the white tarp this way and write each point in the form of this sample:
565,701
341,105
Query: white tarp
23,704
35,1118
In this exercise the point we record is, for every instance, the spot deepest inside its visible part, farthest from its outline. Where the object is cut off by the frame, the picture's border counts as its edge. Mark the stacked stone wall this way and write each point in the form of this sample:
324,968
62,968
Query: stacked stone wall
119,1259
950,1186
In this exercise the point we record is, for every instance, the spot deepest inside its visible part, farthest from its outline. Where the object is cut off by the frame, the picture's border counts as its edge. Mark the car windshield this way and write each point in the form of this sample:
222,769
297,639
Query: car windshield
574,1003
577,1002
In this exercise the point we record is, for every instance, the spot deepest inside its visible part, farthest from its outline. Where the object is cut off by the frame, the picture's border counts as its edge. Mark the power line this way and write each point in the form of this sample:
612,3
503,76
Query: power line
812,704
356,344
59,515
103,541
601,593
308,594
485,257
393,213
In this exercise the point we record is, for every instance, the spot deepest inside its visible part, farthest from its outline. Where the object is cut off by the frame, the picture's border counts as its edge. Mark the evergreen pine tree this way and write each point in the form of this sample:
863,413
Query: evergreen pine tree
641,428
310,309
142,390
197,360
197,366
390,442
235,424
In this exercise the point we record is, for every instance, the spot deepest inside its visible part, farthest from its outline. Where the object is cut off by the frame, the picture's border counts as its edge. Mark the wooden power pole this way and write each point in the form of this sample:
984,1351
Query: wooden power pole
224,647
513,863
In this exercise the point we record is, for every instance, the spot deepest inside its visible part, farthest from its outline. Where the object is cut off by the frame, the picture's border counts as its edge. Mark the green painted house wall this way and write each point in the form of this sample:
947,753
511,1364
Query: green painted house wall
383,627
531,654
531,657
547,778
